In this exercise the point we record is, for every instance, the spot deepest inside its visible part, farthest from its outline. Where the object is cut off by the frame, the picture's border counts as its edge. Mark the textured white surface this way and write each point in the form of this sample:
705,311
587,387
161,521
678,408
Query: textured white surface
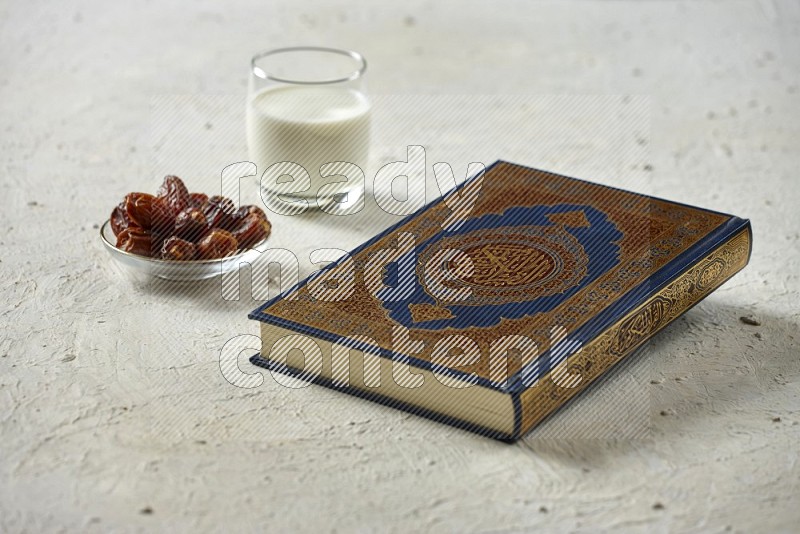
112,403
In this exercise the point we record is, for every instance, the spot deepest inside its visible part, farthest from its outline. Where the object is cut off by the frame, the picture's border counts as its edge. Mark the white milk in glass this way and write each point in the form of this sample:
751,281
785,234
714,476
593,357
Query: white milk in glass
309,125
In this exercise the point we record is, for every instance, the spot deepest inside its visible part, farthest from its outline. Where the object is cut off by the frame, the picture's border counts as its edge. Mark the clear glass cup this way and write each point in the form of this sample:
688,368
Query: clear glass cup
307,110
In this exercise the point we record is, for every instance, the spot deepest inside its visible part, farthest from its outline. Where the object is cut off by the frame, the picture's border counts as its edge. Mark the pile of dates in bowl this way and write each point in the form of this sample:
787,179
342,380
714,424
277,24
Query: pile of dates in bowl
177,225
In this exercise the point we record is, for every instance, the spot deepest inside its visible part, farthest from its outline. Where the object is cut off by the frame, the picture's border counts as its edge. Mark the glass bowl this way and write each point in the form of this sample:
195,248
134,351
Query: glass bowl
177,270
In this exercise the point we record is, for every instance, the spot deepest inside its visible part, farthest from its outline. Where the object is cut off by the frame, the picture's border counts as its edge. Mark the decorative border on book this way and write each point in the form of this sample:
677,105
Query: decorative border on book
634,329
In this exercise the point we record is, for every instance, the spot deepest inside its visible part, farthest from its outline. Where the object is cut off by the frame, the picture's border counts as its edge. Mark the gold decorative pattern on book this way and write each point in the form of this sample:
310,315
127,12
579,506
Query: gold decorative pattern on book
511,264
428,312
576,219
633,330
655,232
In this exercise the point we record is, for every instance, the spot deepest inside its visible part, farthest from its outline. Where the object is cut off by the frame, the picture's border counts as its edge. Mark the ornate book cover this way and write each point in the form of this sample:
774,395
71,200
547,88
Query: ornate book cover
492,307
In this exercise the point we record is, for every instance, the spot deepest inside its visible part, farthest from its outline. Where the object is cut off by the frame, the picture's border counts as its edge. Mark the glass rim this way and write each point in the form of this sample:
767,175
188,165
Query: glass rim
264,75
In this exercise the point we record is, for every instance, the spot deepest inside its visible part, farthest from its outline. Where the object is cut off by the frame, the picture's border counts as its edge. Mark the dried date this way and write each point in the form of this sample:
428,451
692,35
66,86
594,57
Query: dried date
163,222
252,230
191,224
197,200
178,249
244,211
119,219
136,241
139,207
220,212
174,191
217,244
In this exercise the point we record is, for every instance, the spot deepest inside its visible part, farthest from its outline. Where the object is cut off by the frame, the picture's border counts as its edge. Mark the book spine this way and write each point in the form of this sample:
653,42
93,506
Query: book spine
635,328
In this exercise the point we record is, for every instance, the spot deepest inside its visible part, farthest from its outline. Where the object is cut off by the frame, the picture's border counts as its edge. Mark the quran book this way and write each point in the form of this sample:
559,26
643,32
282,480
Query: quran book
493,306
